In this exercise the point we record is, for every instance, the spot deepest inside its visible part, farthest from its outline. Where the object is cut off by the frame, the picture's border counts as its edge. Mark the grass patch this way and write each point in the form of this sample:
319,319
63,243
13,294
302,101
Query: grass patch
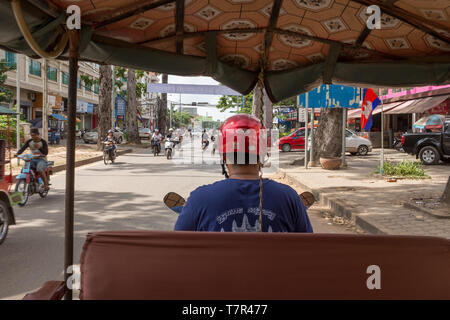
406,169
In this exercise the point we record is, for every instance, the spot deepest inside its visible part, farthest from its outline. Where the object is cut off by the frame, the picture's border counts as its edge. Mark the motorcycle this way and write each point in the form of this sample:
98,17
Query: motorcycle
175,202
397,145
169,147
29,181
156,147
108,152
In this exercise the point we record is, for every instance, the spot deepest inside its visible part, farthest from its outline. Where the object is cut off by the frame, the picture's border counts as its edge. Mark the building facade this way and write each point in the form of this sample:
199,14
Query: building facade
31,76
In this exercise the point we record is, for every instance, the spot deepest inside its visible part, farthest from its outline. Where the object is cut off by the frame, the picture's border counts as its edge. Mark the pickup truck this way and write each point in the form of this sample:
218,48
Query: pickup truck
429,147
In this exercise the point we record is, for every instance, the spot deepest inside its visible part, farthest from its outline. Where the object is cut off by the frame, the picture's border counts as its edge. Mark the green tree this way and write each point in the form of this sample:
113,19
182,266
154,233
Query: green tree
180,119
228,102
5,94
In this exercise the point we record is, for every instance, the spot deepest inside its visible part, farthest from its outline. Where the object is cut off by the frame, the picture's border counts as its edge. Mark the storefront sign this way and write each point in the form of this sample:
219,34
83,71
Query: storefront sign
442,108
121,106
82,106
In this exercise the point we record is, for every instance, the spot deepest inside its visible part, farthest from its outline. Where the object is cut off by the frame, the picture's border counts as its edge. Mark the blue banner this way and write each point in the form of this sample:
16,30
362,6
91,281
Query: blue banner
331,96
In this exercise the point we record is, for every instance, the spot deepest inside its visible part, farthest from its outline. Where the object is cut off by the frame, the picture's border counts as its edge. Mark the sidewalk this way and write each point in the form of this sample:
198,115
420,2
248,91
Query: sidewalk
374,204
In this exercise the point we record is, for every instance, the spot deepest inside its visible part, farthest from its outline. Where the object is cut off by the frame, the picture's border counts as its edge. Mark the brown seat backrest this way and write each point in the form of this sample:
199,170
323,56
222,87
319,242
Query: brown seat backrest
210,265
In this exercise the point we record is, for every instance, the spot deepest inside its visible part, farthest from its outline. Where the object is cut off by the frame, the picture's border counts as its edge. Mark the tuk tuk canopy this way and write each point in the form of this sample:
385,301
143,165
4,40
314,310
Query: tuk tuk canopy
291,45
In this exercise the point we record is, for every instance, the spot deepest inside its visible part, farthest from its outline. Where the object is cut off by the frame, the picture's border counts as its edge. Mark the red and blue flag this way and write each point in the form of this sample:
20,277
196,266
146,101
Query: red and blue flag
368,105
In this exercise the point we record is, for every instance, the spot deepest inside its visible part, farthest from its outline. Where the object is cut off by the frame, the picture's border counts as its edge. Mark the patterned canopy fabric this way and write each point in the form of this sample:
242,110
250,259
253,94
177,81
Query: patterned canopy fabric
298,44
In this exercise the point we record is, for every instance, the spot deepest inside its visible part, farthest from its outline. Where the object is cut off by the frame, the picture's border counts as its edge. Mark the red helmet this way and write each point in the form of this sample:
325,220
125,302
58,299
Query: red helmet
241,134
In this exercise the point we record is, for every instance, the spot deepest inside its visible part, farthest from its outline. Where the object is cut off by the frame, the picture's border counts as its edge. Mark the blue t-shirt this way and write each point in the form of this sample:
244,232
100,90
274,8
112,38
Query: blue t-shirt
233,205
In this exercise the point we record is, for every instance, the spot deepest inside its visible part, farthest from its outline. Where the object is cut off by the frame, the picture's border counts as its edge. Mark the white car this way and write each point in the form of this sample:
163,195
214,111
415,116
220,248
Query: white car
354,144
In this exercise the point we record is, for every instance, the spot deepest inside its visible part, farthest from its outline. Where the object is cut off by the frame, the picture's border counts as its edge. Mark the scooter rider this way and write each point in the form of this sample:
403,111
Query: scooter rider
39,149
110,139
205,139
156,139
233,204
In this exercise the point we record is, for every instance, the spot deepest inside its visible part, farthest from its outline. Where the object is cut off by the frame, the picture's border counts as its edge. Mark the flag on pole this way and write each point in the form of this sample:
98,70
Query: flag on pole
369,103
140,117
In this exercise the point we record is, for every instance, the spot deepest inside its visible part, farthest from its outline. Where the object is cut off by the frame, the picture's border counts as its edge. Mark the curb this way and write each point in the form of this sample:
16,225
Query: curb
424,210
62,167
338,207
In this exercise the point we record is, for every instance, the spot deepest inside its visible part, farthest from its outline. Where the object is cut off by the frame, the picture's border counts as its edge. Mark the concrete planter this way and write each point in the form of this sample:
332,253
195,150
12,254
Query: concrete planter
332,163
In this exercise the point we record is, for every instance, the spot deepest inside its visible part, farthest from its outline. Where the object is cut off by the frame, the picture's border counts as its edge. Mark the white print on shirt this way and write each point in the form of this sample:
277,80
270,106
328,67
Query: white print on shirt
246,226
224,216
271,215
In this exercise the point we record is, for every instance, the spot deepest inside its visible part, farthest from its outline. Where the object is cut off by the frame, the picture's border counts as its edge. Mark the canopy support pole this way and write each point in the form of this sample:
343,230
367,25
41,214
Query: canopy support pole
312,162
70,157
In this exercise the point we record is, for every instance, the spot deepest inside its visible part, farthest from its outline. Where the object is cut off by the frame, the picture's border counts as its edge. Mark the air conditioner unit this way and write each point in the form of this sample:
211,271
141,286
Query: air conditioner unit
32,96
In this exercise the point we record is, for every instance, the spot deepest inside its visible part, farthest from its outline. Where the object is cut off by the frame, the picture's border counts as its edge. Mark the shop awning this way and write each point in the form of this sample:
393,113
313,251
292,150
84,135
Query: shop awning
356,113
418,105
59,117
292,45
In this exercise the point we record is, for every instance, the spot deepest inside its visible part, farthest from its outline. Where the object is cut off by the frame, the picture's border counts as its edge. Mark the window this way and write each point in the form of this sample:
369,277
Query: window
79,83
10,58
300,133
348,134
96,88
88,86
52,74
65,78
35,68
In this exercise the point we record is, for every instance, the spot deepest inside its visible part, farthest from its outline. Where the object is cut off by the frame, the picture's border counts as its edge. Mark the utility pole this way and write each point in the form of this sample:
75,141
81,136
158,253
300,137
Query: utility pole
113,99
18,101
45,103
170,120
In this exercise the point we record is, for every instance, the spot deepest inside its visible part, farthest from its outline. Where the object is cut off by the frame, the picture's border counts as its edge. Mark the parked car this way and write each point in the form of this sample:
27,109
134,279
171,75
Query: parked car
353,143
91,136
145,133
429,147
119,135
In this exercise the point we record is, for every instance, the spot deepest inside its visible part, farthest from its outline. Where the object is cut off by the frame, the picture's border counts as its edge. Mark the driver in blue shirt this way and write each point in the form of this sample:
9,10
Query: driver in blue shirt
232,204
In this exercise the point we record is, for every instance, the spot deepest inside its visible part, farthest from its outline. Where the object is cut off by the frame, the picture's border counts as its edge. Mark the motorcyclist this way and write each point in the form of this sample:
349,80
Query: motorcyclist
233,204
170,134
205,139
110,139
156,139
39,149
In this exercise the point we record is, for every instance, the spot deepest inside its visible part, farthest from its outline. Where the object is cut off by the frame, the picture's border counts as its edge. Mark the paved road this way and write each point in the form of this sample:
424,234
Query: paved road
127,195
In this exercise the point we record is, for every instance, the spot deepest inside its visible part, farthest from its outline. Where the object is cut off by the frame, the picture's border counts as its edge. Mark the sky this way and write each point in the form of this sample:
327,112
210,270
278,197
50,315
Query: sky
189,98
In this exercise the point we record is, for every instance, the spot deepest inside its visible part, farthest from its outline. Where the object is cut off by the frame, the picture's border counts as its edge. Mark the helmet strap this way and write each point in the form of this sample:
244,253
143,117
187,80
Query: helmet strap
260,197
224,170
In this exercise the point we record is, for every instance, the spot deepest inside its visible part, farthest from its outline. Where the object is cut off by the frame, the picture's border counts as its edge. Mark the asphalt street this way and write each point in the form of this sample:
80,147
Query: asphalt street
124,196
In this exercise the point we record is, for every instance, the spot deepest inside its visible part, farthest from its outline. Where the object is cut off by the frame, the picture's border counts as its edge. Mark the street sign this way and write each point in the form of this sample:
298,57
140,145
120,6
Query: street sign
331,96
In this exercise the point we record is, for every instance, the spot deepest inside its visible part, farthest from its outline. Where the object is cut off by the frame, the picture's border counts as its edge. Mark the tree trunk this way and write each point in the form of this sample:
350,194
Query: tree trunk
162,111
446,194
328,137
104,103
132,125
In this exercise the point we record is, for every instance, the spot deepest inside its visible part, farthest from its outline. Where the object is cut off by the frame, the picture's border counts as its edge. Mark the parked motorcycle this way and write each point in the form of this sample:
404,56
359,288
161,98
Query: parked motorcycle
29,181
397,145
169,147
108,152
156,147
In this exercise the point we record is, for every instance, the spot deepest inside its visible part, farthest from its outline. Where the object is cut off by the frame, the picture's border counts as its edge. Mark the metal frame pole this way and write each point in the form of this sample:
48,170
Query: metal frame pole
18,102
382,135
113,98
45,102
311,151
306,130
344,125
70,156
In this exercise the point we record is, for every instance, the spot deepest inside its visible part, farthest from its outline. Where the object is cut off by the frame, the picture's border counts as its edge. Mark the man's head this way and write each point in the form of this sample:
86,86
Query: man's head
156,131
170,130
110,133
35,134
242,142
